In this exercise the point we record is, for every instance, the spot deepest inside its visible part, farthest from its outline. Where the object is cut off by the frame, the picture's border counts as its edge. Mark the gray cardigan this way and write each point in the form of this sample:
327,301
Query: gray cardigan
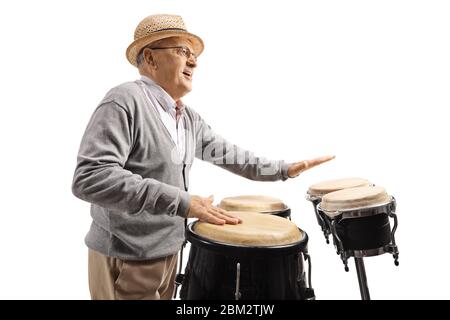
137,189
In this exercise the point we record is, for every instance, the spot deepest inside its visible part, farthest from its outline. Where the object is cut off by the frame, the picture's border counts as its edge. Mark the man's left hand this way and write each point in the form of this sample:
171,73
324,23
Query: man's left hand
298,167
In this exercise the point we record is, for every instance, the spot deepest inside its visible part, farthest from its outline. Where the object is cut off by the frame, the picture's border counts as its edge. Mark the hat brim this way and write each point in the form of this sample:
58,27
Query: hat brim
136,47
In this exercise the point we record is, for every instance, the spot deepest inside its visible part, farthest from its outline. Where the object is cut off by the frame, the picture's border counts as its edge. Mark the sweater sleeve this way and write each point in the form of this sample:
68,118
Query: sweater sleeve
100,177
213,148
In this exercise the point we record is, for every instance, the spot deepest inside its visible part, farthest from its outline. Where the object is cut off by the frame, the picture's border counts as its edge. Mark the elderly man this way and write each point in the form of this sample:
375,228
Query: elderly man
134,161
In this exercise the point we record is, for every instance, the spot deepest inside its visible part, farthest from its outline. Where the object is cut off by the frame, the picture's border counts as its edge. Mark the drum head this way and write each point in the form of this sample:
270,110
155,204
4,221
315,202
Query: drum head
353,199
257,230
322,188
255,203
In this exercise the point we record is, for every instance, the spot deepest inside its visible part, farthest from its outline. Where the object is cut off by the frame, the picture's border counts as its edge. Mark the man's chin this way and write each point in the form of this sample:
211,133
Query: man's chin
187,88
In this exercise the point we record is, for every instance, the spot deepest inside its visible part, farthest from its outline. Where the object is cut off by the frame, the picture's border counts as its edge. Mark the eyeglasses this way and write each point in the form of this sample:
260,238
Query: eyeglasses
185,51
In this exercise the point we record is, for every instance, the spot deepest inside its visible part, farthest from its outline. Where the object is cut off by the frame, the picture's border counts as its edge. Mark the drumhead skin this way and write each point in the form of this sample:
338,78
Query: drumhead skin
254,203
354,198
256,230
324,187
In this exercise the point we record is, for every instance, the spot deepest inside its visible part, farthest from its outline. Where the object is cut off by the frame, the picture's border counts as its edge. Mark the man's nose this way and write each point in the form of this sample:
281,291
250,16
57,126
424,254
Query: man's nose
192,62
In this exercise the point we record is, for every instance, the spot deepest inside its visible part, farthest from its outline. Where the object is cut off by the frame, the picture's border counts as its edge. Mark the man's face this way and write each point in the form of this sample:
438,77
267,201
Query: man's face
172,69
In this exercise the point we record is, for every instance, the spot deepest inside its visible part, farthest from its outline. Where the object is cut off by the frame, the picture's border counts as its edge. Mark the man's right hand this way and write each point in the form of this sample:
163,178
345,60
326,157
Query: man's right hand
203,209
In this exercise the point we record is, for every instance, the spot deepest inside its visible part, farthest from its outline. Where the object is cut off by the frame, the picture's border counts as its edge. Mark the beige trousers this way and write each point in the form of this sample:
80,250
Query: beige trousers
114,279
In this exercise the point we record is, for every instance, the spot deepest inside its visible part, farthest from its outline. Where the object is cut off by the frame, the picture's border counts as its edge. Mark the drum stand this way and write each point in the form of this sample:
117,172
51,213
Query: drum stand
362,279
179,276
360,254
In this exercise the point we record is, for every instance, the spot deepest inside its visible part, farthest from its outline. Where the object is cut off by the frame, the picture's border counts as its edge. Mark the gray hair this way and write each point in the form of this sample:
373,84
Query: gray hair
140,57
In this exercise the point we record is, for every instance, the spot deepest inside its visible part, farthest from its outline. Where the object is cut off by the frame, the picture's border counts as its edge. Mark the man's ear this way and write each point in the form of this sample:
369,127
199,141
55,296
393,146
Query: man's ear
150,58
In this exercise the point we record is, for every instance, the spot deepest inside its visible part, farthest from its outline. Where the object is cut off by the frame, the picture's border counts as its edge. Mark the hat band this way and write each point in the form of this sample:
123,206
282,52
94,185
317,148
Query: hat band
167,29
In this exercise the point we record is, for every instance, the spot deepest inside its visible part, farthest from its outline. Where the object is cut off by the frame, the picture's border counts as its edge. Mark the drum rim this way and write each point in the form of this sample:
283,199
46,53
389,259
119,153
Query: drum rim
284,213
356,212
312,198
234,249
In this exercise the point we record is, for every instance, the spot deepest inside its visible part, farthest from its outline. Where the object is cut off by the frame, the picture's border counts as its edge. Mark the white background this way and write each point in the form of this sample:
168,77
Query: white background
367,81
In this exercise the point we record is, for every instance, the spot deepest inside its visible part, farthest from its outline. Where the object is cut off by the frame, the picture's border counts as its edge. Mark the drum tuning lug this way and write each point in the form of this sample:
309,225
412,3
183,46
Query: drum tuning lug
392,248
396,260
237,293
327,239
393,205
179,278
344,260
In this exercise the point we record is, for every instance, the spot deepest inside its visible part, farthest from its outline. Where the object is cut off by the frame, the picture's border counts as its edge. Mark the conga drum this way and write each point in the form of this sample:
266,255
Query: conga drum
258,259
256,203
360,226
318,190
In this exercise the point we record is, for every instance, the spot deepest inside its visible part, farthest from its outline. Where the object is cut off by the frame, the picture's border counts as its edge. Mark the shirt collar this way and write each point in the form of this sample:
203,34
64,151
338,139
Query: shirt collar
166,101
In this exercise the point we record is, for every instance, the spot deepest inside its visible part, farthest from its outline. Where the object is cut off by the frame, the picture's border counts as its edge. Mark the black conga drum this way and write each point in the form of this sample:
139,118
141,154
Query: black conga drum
256,203
259,259
318,190
360,226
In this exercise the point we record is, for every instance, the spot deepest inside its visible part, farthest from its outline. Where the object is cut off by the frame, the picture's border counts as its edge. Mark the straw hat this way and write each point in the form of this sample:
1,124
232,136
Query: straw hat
157,27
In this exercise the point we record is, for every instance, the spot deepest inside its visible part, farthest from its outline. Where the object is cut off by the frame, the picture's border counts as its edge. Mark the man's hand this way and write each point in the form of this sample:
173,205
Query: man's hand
203,209
296,168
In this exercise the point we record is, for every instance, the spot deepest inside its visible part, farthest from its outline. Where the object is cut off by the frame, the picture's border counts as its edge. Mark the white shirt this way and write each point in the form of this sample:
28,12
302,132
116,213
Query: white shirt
165,106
